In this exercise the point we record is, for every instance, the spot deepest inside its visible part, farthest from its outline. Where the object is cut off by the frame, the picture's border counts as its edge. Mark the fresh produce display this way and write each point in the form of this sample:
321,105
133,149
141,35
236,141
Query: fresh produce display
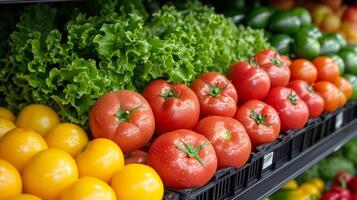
140,99
69,67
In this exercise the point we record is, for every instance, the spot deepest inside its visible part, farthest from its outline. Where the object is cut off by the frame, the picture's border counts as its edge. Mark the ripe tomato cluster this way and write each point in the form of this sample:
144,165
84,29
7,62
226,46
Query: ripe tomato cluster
219,120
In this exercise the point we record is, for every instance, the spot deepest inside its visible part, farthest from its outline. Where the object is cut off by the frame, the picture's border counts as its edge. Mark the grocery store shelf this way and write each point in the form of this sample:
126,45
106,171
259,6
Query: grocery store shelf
32,1
274,181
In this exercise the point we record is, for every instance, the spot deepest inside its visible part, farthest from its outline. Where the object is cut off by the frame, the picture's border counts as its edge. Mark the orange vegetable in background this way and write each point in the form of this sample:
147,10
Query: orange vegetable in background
344,85
302,69
327,69
330,94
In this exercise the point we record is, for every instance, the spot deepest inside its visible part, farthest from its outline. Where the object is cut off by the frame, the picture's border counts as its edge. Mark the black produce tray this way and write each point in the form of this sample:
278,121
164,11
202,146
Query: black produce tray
218,188
272,165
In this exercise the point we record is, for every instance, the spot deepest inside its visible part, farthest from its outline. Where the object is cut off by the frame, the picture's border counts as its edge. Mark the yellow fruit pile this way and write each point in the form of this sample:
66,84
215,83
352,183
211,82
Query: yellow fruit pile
41,158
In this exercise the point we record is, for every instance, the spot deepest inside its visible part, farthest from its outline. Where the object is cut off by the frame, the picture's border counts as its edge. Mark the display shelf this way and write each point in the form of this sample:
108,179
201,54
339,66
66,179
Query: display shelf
275,180
32,1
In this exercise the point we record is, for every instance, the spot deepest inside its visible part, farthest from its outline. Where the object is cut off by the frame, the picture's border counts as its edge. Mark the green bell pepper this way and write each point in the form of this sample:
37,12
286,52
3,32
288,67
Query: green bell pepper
339,62
303,14
285,22
282,43
350,47
259,17
311,30
329,44
306,46
353,80
350,60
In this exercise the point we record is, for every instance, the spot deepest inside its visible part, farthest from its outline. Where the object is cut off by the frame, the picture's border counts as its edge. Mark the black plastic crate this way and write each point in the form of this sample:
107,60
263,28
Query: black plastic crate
350,112
240,178
311,135
169,195
217,189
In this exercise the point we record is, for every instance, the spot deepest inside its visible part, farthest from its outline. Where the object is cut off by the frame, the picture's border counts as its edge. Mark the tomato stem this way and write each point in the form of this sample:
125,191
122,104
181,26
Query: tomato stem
342,182
253,62
276,61
226,135
170,93
215,90
259,118
193,152
310,89
292,98
124,115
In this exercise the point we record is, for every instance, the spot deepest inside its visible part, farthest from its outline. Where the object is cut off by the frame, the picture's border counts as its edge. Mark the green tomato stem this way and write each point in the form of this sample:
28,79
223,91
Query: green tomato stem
259,118
193,152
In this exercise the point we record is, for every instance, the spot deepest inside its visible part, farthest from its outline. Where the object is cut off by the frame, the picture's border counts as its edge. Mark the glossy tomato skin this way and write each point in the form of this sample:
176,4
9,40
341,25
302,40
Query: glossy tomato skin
176,169
216,94
274,66
302,69
260,120
250,82
175,106
293,111
229,139
330,94
123,116
137,156
327,68
314,102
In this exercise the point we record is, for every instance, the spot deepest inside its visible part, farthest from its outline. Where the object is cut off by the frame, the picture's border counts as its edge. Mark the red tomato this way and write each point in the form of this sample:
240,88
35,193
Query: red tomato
286,60
251,82
175,106
123,116
183,159
229,139
260,120
293,111
327,69
275,66
137,156
216,94
330,94
314,102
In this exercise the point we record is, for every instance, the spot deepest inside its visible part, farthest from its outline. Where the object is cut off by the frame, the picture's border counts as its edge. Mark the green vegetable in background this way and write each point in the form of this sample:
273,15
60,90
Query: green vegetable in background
350,149
306,46
350,47
282,43
303,14
259,17
329,44
339,38
353,80
339,61
285,22
115,49
330,166
311,30
350,60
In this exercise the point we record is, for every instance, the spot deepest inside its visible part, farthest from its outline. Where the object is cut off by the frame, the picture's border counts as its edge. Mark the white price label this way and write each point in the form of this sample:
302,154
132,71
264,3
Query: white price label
339,120
268,160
